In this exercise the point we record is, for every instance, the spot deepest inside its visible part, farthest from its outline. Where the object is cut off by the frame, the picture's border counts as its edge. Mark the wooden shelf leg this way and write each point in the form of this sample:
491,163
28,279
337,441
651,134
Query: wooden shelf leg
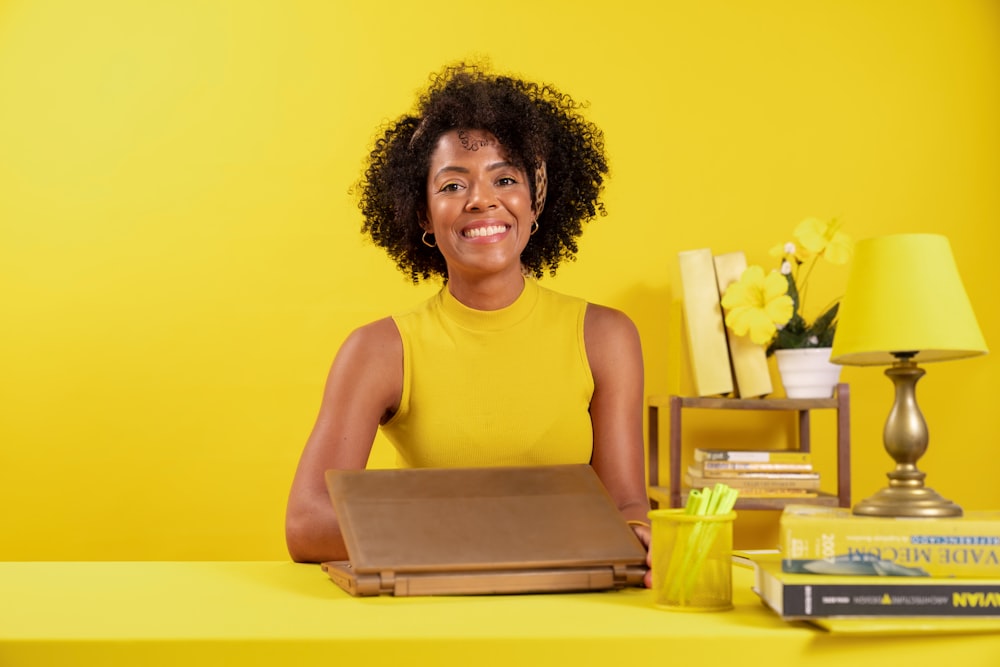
844,444
653,474
805,432
675,451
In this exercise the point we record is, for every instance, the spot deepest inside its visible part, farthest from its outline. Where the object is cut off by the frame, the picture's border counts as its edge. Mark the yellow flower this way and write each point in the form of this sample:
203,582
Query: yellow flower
772,308
824,238
756,303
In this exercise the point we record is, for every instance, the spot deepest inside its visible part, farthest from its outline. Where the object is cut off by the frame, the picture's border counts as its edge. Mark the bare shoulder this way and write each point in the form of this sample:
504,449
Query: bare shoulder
370,363
604,325
374,340
612,342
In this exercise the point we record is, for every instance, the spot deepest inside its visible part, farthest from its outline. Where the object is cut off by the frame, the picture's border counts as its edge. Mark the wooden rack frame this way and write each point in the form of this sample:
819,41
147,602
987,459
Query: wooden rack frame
676,405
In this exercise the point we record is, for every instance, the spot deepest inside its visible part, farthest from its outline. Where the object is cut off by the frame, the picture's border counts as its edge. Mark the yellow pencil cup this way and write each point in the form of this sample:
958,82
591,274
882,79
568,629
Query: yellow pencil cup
692,560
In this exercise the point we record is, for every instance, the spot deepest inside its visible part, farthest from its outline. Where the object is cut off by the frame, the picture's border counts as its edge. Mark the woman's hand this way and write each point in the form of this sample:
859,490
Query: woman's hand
645,535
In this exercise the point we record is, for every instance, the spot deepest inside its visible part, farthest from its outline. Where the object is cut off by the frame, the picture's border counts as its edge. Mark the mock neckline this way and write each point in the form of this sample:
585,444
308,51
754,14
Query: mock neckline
491,320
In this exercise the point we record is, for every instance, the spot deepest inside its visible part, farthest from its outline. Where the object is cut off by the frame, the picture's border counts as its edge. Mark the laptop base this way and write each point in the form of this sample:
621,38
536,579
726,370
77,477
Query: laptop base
484,582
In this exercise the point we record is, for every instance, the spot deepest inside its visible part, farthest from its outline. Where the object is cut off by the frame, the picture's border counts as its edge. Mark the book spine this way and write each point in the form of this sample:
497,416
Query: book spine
752,377
752,456
743,482
777,493
736,477
737,466
936,547
698,471
947,599
706,337
726,475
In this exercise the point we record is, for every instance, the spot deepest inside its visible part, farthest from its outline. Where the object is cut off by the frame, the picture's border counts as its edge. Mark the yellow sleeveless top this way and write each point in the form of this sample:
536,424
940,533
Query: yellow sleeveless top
504,387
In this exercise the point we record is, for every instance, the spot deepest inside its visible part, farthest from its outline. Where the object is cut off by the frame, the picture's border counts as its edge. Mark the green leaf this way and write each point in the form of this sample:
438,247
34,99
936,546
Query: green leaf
798,334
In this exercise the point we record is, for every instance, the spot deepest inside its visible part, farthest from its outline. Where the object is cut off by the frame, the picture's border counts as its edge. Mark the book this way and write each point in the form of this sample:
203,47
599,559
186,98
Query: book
709,468
759,491
726,475
696,470
749,360
888,626
767,492
832,540
795,596
752,455
802,481
706,337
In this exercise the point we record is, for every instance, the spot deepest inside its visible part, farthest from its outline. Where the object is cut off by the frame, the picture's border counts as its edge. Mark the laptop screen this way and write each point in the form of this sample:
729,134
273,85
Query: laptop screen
432,520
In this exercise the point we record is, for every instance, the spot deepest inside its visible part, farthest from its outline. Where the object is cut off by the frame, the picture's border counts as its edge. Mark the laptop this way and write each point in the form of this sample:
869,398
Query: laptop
479,531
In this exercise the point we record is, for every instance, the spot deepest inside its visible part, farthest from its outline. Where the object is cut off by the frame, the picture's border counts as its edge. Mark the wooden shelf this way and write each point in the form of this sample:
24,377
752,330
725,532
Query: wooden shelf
660,495
674,495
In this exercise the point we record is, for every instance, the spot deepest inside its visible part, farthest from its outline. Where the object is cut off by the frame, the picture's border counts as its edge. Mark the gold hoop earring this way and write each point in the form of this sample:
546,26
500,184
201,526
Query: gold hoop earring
534,227
423,238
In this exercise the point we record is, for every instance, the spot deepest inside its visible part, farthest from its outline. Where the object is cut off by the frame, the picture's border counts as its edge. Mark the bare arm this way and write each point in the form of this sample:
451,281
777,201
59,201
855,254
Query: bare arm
362,390
615,355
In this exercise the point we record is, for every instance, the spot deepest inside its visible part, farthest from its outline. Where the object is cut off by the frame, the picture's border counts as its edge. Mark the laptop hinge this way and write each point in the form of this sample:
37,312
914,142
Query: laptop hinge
387,581
620,573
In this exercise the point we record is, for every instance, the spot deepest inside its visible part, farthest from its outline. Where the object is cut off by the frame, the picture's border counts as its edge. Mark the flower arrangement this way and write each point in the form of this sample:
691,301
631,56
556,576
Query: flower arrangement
771,307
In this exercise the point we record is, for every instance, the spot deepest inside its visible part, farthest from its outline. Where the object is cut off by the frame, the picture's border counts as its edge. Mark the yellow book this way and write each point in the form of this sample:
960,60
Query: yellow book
726,468
875,626
909,626
832,540
805,596
748,358
760,481
706,336
752,455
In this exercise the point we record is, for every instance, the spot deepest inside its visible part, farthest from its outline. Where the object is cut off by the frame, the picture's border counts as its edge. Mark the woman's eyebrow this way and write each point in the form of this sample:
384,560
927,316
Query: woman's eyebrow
493,166
448,169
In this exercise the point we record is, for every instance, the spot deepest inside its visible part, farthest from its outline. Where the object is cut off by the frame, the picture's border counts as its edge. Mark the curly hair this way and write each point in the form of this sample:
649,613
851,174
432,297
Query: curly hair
533,122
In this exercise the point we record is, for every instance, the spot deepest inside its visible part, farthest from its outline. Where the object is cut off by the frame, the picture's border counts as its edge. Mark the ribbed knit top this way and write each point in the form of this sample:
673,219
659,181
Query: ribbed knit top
503,387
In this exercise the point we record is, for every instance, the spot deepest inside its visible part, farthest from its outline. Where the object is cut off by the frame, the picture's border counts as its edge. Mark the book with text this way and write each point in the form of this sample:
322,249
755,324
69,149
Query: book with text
805,596
802,481
763,491
727,468
752,455
832,540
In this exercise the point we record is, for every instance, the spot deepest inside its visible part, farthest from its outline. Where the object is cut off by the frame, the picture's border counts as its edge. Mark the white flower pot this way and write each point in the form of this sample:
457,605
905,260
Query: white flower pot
807,372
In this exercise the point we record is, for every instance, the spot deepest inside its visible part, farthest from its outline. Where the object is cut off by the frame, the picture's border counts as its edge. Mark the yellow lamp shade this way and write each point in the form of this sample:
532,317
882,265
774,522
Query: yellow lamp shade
904,294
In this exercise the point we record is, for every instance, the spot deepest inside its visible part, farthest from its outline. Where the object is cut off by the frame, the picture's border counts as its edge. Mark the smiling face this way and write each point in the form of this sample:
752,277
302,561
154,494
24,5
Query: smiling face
478,206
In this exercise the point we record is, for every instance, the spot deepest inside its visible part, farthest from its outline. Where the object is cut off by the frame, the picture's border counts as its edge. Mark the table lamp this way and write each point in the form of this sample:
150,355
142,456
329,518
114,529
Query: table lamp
904,305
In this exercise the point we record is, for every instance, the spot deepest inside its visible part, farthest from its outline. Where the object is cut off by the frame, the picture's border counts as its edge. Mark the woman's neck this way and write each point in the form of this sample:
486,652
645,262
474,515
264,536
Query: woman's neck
491,292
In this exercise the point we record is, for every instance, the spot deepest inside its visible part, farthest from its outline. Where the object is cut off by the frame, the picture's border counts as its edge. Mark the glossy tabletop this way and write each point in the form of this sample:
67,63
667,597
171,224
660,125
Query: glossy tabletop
249,613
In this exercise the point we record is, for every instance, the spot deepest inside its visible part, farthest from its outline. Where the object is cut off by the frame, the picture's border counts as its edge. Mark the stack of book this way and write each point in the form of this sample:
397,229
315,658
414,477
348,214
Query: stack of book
755,473
835,565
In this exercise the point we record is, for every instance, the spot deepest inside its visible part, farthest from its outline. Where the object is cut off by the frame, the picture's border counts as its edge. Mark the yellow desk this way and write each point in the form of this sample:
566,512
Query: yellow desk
274,613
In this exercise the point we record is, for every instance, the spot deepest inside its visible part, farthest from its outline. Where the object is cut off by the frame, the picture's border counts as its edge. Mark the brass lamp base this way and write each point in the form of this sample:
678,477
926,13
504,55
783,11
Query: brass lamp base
914,502
906,439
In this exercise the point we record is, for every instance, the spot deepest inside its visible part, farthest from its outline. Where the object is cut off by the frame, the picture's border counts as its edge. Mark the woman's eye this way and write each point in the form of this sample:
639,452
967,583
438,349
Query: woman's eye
506,180
450,187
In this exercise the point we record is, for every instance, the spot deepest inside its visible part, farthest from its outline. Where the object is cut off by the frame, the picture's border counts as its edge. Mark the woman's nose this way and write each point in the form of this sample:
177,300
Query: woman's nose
481,196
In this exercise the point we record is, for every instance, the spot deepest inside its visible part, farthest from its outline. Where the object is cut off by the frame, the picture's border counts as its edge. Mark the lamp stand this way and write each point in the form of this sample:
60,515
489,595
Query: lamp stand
905,437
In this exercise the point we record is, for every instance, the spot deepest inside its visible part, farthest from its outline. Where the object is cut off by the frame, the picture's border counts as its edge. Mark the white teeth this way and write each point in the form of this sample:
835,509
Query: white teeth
484,231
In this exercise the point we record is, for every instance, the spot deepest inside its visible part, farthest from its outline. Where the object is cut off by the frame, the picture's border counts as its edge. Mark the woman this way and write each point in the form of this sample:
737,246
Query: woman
485,187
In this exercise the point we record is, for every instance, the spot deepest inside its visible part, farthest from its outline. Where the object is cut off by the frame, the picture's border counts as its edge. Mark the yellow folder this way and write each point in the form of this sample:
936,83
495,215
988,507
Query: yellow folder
749,359
706,336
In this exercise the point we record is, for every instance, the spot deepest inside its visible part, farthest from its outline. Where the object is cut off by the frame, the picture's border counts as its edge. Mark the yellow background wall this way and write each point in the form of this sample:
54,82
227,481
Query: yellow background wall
180,258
